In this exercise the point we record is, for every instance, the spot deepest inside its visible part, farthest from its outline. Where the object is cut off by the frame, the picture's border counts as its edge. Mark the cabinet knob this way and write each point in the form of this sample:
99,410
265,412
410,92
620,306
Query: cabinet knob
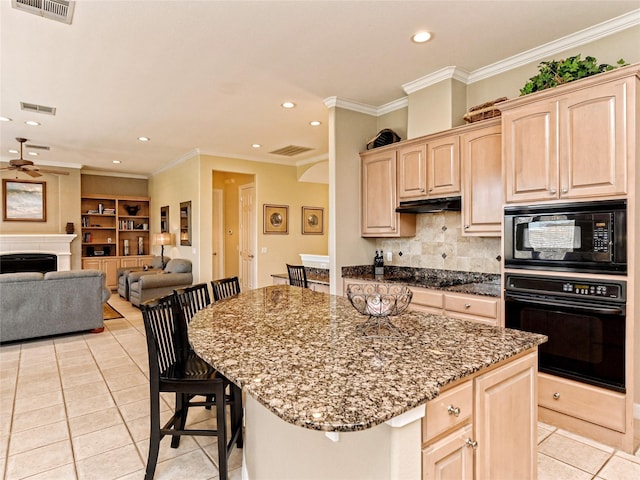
467,305
471,443
422,189
431,189
552,191
455,411
564,190
466,226
556,395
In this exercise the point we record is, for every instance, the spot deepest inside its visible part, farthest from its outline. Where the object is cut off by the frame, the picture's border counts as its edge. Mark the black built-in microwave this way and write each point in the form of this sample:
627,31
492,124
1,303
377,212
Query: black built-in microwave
588,237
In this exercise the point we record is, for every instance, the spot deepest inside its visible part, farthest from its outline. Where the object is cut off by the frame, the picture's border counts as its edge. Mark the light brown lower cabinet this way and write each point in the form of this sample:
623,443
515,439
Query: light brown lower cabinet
110,266
478,308
484,427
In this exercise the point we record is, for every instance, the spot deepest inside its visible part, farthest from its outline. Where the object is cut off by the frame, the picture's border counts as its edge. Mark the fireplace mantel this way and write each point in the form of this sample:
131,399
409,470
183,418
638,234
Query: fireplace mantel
58,244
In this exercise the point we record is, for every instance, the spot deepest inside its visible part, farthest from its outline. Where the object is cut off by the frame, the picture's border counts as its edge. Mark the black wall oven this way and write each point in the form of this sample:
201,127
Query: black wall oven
588,237
583,319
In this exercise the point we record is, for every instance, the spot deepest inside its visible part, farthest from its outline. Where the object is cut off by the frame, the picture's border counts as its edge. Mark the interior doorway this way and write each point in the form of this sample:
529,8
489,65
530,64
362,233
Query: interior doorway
218,234
248,257
228,228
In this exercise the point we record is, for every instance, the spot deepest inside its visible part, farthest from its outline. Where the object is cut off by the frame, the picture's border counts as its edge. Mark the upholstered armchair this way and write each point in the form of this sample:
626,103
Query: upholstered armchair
154,266
145,286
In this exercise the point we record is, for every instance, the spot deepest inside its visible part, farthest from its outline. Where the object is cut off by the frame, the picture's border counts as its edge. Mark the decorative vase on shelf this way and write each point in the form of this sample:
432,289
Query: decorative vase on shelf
126,247
140,246
70,228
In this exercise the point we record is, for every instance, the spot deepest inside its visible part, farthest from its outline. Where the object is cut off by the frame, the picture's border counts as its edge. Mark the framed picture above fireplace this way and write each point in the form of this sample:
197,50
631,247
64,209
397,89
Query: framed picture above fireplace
24,201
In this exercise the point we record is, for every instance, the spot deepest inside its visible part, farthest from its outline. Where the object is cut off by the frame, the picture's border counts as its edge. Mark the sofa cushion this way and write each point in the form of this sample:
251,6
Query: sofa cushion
20,277
178,265
156,262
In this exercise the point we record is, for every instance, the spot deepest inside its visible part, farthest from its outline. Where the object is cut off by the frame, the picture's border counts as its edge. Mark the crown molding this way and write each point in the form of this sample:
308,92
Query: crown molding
435,77
581,37
333,102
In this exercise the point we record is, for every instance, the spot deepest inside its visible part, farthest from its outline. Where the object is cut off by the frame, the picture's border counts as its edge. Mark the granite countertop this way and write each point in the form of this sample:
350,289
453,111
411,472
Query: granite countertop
299,353
486,284
313,278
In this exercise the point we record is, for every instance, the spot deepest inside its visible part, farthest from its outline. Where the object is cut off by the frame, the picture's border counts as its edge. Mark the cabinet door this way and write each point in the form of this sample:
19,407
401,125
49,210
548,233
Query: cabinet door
593,147
529,153
443,166
506,420
449,458
379,198
110,268
412,172
482,174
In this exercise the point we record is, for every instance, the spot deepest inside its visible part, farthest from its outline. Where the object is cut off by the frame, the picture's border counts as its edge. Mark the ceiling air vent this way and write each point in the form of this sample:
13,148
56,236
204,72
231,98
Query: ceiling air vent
37,147
32,107
60,10
291,150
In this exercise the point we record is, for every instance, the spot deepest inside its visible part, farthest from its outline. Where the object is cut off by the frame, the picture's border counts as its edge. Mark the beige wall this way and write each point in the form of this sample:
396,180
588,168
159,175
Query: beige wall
275,184
62,204
349,133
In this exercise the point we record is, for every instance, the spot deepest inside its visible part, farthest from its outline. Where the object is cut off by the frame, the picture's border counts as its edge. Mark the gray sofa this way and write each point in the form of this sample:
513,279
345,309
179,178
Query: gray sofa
145,286
34,305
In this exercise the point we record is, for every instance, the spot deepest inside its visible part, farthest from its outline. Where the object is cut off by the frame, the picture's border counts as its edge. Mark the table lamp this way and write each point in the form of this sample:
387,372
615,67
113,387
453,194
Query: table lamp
162,239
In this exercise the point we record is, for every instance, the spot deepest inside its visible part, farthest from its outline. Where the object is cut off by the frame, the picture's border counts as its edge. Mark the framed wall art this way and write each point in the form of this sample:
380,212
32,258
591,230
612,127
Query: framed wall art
276,219
24,201
312,220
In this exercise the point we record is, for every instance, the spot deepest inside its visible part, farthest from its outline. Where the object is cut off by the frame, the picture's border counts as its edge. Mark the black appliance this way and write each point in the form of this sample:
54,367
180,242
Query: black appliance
580,237
431,205
584,320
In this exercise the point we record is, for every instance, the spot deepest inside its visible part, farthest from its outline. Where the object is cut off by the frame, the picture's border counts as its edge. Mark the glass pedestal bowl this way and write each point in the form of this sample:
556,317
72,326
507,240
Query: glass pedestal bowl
379,301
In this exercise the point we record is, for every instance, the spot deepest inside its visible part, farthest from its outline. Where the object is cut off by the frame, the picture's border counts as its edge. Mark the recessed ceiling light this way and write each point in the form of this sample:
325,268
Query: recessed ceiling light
32,123
421,37
116,161
5,119
144,139
256,145
315,123
288,105
13,151
33,154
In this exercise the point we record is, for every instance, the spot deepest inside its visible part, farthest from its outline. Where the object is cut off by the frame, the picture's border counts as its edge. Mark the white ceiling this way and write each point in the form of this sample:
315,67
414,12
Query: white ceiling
211,75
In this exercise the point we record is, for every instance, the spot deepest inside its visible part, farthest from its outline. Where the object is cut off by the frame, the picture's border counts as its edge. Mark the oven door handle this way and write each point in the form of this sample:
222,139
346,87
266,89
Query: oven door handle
559,303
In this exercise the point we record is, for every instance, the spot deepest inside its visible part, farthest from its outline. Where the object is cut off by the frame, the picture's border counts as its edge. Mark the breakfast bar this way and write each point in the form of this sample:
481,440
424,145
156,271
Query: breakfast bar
324,401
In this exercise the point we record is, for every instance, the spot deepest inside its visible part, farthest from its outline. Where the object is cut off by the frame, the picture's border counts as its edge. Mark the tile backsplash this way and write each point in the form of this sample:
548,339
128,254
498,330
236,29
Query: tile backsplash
439,244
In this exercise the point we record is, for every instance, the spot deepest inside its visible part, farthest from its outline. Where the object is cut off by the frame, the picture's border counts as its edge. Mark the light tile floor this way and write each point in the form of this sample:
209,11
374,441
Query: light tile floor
76,407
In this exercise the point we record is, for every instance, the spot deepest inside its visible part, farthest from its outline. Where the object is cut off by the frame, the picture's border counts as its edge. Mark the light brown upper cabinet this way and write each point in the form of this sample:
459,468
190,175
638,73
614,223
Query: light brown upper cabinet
569,142
412,171
380,199
443,166
429,168
481,152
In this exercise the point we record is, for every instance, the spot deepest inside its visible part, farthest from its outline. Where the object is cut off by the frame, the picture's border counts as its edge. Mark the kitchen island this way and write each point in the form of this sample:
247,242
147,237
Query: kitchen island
308,375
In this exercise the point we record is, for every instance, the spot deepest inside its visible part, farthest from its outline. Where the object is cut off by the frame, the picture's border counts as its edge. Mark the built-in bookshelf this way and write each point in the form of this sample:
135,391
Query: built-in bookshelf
114,226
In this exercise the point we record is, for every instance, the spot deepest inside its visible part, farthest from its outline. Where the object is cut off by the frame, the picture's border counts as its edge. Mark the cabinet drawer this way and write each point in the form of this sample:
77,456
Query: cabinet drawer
441,411
482,307
593,404
427,298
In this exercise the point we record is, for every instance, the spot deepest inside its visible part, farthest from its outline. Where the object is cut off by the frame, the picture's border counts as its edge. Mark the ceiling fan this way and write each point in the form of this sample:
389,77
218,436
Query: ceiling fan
27,166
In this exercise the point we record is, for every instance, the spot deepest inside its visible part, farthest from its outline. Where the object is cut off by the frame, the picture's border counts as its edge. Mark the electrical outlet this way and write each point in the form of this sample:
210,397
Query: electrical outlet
389,256
264,250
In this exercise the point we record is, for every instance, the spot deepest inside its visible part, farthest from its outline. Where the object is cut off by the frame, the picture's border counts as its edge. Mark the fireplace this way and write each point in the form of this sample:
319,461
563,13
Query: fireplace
58,245
28,262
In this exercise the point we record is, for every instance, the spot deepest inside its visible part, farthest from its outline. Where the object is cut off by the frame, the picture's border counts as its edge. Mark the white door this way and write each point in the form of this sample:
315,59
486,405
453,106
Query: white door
217,261
248,241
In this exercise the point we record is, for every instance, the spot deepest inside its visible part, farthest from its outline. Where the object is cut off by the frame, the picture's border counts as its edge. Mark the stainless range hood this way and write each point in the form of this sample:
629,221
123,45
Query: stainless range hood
432,205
